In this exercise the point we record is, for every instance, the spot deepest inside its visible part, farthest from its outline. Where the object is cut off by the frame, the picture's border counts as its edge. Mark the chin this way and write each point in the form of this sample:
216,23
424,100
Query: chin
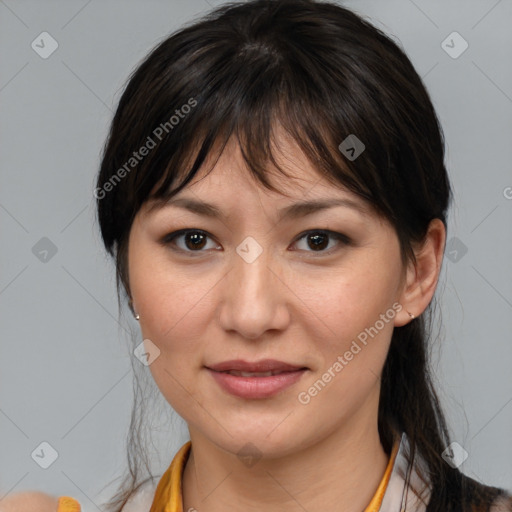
256,443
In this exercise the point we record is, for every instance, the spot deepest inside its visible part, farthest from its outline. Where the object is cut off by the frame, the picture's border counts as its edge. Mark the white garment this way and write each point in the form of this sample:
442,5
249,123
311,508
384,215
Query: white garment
398,496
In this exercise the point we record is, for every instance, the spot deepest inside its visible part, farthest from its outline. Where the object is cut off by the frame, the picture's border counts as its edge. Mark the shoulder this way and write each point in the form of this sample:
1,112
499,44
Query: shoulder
498,499
29,501
502,503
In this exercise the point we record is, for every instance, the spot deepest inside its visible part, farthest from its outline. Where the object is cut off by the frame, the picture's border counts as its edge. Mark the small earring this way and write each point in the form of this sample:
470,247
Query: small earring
411,315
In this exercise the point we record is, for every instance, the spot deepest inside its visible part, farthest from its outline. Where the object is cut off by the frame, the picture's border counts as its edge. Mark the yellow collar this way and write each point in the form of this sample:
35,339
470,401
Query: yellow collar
168,495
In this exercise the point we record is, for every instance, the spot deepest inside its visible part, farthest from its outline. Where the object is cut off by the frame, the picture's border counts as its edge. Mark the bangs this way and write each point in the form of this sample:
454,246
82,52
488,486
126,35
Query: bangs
262,99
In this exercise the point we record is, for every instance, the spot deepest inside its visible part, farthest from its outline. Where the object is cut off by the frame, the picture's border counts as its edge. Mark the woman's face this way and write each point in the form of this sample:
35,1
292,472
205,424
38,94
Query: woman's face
256,283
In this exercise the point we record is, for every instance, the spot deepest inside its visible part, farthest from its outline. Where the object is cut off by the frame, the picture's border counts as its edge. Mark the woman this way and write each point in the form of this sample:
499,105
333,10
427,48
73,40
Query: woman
274,194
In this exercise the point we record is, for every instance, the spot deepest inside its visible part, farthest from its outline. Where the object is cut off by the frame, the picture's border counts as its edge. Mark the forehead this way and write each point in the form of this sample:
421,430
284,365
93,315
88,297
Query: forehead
284,151
228,178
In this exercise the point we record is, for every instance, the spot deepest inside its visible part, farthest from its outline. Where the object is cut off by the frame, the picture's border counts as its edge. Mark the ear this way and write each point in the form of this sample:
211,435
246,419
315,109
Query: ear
421,277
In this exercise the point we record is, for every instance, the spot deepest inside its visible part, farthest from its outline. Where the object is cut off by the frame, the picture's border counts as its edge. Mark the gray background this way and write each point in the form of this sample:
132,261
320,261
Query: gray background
65,369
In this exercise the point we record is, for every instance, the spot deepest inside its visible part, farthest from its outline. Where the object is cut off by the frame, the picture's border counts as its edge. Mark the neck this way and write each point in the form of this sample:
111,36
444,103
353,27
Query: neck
339,473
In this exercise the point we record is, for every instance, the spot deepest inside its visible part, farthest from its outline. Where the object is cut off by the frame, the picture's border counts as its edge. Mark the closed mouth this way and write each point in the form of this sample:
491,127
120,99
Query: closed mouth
239,373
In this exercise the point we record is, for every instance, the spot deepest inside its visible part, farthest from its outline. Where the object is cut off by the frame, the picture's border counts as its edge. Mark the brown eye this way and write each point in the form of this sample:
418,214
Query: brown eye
193,240
318,240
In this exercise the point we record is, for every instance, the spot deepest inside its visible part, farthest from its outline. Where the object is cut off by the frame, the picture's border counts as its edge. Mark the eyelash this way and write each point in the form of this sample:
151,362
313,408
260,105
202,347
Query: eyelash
344,239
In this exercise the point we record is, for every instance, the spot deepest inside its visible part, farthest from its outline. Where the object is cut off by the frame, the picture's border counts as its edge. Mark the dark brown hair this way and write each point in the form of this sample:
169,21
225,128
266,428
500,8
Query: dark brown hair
323,73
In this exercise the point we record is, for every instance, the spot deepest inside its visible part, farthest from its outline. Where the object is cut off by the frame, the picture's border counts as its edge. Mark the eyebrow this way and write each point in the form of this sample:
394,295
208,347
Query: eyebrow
294,211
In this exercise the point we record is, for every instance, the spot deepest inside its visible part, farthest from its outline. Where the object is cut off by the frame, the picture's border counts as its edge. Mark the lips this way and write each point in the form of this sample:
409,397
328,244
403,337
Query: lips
252,374
256,380
263,368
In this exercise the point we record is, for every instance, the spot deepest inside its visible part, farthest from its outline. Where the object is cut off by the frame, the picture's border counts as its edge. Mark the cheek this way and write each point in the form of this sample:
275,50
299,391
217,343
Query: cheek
356,342
176,314
169,299
172,315
352,299
172,311
350,308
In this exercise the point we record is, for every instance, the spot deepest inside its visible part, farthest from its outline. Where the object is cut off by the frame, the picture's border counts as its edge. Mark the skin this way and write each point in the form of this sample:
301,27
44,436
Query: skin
29,501
294,304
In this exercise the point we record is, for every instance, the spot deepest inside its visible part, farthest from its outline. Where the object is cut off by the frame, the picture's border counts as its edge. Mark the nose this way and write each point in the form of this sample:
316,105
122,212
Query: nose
254,295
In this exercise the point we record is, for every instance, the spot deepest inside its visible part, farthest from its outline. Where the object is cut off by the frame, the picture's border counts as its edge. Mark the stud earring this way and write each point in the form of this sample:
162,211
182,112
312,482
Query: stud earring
411,315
